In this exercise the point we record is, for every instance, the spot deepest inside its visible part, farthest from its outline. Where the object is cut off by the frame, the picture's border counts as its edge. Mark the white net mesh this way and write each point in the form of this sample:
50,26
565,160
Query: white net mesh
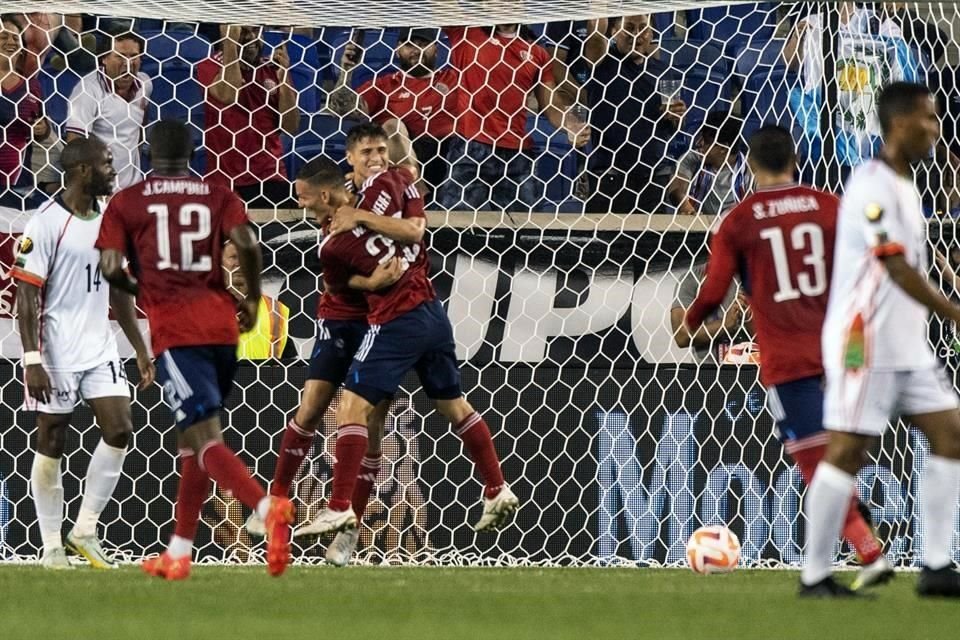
572,174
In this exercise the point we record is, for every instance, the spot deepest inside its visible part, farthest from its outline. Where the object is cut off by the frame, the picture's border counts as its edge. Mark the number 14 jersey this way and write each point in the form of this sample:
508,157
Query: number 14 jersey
56,253
780,241
172,231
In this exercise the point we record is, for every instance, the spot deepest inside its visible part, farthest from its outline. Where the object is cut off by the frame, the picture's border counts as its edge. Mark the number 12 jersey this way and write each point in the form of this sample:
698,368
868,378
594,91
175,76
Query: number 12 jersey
172,231
780,241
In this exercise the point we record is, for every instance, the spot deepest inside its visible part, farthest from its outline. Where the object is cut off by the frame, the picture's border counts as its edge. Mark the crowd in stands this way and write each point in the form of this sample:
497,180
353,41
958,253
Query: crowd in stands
639,114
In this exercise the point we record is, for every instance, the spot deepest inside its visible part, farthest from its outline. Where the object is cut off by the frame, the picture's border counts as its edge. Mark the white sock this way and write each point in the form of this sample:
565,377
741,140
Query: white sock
941,492
46,482
826,504
263,508
102,477
180,547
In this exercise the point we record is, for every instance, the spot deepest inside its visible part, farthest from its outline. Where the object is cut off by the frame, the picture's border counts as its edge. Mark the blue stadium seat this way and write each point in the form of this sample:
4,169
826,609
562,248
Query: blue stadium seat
757,56
705,76
765,98
733,25
167,45
304,66
320,134
56,87
555,166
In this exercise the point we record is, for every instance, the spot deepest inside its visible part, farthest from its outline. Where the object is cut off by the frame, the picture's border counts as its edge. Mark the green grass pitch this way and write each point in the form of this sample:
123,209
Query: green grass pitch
452,603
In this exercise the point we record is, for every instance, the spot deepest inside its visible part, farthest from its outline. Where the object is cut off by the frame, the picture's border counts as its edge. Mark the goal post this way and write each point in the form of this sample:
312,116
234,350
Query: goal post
618,441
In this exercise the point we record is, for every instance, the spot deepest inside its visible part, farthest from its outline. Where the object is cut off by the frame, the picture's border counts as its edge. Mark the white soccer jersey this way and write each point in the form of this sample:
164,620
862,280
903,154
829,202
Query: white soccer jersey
870,318
56,253
95,108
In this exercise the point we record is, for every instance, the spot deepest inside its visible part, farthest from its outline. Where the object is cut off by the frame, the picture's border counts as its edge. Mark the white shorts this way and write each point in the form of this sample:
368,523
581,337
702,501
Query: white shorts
106,380
864,402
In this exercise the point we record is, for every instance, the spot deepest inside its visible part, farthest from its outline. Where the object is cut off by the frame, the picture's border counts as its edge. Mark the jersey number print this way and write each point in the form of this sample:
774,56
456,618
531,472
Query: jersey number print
806,237
190,214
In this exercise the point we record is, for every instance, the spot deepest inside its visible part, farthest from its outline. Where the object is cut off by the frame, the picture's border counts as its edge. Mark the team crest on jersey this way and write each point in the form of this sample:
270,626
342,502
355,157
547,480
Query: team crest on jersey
25,245
873,212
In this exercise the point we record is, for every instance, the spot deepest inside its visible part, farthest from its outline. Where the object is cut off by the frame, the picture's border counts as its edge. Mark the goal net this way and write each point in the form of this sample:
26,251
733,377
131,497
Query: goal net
573,169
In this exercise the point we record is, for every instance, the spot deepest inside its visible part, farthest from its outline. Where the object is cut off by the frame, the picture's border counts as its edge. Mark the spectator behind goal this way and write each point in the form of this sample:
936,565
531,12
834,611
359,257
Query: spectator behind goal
706,175
490,165
111,103
249,101
414,104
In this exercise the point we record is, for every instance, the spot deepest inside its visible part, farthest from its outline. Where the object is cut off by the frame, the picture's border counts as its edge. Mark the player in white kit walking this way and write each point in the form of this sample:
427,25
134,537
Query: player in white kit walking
879,365
70,352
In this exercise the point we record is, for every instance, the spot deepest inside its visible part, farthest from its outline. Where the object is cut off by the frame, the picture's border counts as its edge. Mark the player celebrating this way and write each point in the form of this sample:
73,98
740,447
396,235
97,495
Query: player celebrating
879,363
172,228
341,317
69,350
408,330
781,239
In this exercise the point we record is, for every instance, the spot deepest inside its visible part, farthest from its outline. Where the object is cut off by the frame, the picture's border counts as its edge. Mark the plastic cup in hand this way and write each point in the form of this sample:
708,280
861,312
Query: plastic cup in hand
669,90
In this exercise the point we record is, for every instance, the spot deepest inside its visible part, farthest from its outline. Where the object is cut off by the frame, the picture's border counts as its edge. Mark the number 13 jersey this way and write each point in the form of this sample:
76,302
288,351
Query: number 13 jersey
780,241
56,253
172,230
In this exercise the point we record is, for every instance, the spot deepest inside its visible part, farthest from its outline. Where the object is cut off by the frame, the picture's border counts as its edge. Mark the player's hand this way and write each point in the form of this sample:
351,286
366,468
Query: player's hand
387,273
350,57
675,111
148,372
281,57
231,33
38,383
344,219
247,315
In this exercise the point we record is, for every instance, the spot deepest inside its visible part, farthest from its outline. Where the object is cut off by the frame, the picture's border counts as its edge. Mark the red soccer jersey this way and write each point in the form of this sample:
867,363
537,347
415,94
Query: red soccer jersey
172,231
496,75
424,105
389,193
338,301
20,107
781,242
243,140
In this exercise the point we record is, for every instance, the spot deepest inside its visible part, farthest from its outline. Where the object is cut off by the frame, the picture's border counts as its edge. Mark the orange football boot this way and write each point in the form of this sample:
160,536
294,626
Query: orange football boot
163,566
278,522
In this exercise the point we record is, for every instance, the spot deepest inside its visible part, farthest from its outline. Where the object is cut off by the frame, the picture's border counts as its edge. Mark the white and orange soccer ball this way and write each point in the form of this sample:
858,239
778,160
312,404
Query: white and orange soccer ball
713,549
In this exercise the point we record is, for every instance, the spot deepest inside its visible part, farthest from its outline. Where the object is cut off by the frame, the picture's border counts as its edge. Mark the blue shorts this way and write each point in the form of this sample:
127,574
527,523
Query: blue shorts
797,406
421,339
196,380
337,342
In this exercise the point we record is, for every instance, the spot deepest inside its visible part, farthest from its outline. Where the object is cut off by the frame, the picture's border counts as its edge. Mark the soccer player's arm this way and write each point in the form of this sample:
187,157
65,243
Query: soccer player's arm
885,234
125,311
384,275
408,229
34,253
236,226
112,243
721,269
82,110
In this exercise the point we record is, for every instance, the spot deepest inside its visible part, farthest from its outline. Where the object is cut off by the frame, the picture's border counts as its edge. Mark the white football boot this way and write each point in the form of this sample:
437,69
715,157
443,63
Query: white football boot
497,510
89,548
877,572
341,549
328,521
56,560
255,525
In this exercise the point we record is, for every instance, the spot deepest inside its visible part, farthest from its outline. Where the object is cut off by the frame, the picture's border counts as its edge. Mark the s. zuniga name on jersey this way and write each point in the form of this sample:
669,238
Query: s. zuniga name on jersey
784,206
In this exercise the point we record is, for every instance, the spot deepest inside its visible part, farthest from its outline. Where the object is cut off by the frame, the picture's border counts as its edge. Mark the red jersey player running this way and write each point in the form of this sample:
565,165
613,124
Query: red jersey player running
781,240
172,227
408,330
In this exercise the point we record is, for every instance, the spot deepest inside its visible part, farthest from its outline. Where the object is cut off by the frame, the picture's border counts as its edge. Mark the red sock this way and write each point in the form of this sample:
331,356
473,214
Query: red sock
192,493
369,468
294,448
229,472
351,447
476,437
856,530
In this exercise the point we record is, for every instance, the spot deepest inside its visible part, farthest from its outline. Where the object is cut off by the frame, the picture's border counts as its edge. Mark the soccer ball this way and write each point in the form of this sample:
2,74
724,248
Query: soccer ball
713,549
